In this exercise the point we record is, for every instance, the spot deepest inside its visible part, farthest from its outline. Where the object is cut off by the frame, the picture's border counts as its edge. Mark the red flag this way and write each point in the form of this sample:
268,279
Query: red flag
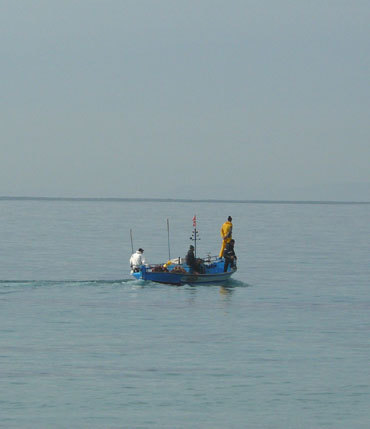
195,221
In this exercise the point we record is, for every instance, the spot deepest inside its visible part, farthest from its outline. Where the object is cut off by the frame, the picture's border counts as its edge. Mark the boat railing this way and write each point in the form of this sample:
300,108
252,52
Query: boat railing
179,262
210,258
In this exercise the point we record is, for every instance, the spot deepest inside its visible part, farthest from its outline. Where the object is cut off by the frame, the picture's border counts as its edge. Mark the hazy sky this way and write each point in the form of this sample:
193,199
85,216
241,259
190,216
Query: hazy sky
167,98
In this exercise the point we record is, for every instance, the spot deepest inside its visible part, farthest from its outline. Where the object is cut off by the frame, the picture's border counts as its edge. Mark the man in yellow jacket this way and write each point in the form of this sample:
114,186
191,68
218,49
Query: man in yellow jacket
226,234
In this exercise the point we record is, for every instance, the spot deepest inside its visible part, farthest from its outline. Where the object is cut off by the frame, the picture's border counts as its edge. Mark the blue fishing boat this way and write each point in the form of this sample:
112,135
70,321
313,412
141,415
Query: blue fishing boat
178,272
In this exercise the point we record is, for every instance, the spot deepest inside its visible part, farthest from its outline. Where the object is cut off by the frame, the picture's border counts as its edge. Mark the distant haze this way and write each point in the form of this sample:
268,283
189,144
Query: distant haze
242,99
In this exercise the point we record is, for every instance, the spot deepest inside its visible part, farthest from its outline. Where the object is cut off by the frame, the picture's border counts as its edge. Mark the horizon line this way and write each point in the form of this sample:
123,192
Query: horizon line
179,200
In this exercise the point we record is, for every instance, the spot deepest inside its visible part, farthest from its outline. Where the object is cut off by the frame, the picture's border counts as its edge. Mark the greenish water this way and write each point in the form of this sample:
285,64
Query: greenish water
285,344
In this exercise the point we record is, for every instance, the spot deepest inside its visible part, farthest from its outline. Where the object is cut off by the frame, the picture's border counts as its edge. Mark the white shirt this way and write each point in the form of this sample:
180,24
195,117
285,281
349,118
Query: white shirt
137,259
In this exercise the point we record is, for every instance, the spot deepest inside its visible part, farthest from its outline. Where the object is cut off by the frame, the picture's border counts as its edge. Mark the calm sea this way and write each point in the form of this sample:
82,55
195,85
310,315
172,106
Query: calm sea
285,344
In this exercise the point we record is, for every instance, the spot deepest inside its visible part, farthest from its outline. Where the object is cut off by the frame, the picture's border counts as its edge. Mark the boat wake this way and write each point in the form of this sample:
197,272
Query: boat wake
231,283
4,283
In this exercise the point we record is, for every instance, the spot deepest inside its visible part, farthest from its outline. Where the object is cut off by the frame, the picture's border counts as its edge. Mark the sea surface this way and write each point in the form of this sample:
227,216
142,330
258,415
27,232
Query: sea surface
284,344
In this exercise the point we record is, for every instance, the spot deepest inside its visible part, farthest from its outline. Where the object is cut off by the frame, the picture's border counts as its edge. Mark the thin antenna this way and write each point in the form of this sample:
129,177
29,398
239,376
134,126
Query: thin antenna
168,238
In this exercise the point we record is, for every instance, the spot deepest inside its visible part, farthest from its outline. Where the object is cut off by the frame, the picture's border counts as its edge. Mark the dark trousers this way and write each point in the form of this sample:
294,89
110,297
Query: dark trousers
228,262
197,267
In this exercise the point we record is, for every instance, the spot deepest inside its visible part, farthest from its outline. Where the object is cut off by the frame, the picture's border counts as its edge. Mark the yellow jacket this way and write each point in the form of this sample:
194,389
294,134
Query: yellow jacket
226,234
226,231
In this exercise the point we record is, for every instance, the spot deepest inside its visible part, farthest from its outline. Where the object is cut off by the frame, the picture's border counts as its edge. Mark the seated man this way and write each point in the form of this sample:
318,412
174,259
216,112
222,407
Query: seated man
229,255
195,265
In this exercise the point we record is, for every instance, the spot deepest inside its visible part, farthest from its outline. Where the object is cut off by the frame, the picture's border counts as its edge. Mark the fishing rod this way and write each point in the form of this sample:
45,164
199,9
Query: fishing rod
132,245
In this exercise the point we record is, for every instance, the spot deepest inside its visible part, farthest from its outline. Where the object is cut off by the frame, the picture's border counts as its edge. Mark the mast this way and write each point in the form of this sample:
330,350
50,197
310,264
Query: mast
194,235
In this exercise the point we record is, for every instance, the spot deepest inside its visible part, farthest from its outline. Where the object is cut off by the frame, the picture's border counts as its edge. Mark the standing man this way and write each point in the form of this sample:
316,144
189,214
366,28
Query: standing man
137,260
226,234
229,255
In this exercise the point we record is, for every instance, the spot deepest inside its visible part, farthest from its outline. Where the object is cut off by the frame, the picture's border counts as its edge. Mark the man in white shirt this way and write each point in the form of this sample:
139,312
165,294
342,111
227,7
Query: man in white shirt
137,259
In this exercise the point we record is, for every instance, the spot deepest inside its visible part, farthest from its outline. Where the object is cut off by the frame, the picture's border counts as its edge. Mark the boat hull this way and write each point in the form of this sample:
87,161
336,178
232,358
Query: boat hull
215,274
